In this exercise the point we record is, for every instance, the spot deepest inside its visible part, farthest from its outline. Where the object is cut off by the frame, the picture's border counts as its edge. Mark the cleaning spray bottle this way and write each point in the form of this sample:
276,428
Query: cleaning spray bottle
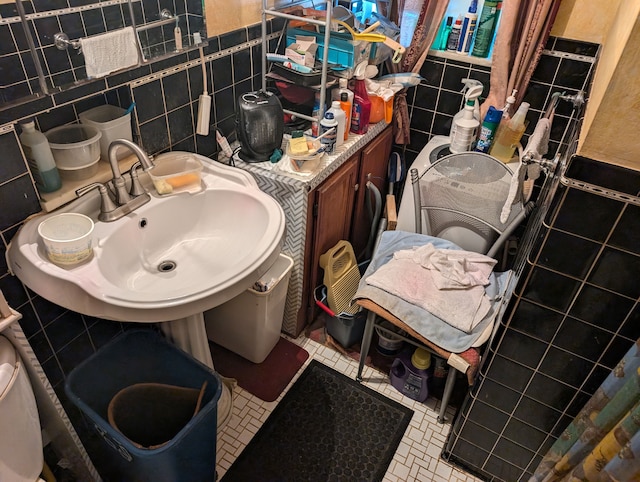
472,90
361,110
466,129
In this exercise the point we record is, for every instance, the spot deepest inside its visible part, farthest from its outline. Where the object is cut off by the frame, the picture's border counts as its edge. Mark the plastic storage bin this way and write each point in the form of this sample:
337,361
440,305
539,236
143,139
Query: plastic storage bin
113,122
174,173
250,324
345,328
343,50
140,356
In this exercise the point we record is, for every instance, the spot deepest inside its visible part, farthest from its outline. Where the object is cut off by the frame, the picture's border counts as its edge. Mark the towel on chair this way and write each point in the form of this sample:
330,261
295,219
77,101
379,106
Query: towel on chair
448,283
110,51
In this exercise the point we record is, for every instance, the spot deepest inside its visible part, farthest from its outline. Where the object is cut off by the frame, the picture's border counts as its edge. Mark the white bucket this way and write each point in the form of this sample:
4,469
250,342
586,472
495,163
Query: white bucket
67,238
113,122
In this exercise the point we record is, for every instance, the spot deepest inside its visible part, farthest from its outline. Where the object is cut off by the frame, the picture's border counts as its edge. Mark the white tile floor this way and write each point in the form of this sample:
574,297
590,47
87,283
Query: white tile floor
417,457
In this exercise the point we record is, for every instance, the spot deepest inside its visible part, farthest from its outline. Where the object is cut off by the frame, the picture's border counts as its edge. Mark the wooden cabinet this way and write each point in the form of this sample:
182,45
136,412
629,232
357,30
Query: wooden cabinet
323,208
337,210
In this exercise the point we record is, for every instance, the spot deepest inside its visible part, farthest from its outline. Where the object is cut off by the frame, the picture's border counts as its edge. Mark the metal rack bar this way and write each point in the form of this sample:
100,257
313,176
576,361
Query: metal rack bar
62,42
325,57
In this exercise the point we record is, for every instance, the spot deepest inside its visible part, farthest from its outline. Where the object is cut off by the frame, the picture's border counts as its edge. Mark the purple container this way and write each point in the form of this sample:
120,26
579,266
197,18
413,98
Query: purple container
408,379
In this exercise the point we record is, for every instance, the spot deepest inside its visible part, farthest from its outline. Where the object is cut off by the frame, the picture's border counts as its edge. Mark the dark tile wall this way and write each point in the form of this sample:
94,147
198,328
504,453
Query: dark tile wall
574,314
78,19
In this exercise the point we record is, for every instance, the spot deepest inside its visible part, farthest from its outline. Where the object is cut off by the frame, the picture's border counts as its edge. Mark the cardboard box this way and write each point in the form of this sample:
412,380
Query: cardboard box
303,51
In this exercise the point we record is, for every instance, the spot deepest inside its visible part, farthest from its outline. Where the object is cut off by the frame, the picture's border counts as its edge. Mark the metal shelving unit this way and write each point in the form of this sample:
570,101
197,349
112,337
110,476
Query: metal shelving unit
325,57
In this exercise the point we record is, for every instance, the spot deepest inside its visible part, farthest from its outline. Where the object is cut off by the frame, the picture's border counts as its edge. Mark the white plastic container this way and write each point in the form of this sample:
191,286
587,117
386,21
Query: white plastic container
113,122
341,118
38,153
250,324
174,173
74,145
79,173
67,238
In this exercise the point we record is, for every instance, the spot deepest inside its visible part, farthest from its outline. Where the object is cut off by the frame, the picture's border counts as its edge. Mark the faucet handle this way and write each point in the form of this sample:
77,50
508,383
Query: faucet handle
106,203
136,188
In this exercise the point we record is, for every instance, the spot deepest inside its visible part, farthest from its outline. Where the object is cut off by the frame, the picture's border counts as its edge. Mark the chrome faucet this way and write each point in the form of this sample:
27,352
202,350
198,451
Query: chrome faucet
119,184
124,201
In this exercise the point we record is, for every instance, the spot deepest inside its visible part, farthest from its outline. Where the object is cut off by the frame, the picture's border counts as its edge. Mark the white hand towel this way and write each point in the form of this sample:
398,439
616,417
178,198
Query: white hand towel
109,52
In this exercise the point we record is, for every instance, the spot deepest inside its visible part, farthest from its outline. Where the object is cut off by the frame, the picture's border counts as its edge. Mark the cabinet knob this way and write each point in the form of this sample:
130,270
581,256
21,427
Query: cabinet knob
356,187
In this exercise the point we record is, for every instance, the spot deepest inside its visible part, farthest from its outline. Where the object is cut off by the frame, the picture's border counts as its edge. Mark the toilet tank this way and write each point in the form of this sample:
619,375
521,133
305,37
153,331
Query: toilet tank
21,456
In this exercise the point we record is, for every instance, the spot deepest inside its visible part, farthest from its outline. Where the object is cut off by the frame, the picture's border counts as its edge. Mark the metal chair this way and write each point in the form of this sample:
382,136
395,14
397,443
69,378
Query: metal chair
458,199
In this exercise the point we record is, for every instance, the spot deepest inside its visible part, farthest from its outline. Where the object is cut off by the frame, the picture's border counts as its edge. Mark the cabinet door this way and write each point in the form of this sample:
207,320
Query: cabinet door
374,159
328,221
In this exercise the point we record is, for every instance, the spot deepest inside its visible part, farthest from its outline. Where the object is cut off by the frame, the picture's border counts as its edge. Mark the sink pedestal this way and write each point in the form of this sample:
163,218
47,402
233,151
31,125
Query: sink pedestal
189,334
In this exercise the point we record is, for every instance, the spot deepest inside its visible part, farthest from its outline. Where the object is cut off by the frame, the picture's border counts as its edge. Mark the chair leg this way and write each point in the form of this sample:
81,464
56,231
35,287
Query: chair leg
366,342
448,389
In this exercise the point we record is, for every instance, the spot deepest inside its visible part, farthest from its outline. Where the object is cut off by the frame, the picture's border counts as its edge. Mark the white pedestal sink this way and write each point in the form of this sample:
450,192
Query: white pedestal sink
168,261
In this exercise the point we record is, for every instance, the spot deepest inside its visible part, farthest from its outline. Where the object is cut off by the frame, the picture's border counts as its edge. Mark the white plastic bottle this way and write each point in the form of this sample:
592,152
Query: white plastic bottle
329,140
38,153
341,119
336,94
472,90
466,130
468,28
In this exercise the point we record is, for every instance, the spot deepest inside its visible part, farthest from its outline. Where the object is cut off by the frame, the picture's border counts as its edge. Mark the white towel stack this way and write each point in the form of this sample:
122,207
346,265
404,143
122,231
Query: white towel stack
109,52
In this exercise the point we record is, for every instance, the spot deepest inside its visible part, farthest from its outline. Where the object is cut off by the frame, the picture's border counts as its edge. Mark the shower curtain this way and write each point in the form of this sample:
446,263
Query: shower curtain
603,441
431,13
522,34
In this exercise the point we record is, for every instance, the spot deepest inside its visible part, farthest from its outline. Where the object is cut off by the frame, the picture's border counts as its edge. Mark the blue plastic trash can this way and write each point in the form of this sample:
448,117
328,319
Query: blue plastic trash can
144,356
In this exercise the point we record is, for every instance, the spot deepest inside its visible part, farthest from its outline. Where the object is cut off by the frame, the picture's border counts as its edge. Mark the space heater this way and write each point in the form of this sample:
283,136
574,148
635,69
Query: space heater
260,125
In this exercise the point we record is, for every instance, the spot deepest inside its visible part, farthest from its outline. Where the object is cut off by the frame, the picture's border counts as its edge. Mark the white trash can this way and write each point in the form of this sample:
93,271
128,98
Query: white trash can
250,324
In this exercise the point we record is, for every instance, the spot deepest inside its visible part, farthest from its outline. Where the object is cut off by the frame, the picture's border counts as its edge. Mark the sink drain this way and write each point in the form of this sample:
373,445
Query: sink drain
167,266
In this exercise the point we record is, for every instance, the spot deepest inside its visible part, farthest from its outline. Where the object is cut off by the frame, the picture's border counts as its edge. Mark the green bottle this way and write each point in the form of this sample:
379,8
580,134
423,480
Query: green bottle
486,28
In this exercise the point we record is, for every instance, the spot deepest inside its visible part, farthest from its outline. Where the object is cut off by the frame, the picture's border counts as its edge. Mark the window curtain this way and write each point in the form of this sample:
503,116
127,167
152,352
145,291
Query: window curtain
521,37
431,14
603,441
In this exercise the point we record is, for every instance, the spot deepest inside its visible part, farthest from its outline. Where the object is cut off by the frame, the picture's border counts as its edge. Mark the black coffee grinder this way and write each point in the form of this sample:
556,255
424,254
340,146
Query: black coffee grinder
260,125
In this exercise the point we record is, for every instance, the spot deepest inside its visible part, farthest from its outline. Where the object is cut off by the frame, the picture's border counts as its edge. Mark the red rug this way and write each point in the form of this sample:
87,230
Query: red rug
265,380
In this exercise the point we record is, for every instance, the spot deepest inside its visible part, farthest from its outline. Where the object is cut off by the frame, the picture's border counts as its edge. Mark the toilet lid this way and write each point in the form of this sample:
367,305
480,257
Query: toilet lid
8,359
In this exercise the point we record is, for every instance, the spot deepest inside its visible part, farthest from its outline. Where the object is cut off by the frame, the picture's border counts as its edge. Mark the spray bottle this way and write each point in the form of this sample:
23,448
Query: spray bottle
466,129
472,90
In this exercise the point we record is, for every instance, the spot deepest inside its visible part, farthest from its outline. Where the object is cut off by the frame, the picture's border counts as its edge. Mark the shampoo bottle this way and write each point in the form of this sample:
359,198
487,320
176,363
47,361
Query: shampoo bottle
454,36
466,130
509,134
341,119
468,28
345,105
361,108
337,95
38,154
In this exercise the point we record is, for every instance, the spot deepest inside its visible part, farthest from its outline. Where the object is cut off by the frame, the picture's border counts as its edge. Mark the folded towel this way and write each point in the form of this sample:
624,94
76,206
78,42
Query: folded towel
110,51
448,283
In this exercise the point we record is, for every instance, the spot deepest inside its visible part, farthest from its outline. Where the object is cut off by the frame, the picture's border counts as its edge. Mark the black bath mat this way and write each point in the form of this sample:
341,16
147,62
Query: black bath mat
327,427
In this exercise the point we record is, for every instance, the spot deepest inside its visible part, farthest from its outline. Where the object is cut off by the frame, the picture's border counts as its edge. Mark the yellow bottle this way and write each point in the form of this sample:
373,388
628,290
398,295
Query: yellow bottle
509,134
